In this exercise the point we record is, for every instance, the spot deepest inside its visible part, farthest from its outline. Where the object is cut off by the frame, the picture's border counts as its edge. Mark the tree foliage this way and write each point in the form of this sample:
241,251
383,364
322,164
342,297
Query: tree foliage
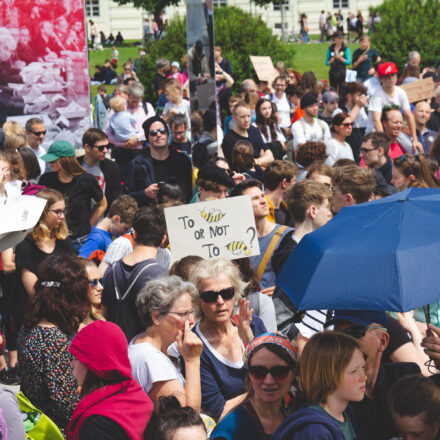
151,6
408,25
237,32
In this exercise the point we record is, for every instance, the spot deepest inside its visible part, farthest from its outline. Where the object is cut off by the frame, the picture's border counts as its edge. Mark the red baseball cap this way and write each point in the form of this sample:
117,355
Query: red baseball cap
387,69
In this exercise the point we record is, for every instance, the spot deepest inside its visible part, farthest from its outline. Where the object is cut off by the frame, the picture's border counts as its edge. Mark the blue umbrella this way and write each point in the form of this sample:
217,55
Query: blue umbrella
380,255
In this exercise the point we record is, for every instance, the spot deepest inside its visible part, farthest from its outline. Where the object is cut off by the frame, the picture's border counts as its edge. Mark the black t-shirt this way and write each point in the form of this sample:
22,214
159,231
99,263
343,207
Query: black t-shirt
177,165
101,427
254,137
282,252
158,80
78,195
398,337
123,311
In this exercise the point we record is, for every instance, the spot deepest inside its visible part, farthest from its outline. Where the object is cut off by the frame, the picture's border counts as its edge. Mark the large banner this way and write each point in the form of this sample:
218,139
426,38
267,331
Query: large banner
44,67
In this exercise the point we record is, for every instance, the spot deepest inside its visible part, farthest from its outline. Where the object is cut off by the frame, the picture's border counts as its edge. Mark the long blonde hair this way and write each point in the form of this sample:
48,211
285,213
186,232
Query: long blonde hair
42,232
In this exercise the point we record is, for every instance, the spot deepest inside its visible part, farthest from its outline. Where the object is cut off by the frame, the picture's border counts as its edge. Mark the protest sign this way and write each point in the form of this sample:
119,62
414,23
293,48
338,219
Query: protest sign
44,71
419,90
214,229
264,68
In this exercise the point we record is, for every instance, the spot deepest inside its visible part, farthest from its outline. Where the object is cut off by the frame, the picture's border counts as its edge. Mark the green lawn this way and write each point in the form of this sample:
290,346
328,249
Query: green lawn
309,56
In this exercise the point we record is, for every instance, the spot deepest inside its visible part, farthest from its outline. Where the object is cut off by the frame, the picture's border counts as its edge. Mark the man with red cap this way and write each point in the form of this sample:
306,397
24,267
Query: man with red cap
390,95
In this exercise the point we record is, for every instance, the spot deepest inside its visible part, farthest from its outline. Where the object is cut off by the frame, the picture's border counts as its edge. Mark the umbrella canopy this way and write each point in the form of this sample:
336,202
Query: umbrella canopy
380,255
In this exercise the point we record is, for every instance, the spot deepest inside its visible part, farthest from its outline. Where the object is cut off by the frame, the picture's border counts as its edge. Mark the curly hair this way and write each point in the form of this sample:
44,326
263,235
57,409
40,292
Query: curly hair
309,152
65,305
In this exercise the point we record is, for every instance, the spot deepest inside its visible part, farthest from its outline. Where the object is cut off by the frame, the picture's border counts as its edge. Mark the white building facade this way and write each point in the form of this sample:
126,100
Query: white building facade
110,17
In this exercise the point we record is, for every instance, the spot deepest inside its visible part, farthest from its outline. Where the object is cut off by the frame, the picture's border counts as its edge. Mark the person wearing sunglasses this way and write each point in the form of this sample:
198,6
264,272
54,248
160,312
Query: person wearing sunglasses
35,133
271,360
224,336
337,148
332,374
166,308
157,164
373,416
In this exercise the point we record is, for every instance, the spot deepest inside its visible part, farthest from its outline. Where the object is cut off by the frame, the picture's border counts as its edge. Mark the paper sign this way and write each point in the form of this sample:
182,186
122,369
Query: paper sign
419,90
264,68
214,229
19,215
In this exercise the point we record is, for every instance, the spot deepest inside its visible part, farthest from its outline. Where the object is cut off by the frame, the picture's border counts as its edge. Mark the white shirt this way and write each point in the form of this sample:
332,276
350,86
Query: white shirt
335,151
303,132
283,107
149,365
280,137
380,99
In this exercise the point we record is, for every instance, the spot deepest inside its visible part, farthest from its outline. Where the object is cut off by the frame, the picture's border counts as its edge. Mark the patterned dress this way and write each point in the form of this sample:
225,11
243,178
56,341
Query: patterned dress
47,377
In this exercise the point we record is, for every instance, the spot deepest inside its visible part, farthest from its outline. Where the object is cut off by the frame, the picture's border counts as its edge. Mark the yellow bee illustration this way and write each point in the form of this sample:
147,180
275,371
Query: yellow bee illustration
212,216
238,247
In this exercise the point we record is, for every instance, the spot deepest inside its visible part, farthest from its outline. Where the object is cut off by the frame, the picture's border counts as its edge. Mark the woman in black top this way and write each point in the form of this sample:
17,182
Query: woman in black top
78,188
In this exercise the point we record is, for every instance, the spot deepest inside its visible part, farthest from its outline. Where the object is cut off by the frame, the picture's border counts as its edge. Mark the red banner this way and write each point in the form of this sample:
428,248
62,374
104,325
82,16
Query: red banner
44,66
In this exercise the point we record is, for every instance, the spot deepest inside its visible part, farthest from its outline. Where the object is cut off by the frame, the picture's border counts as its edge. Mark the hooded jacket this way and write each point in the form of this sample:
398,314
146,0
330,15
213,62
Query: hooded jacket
102,347
308,423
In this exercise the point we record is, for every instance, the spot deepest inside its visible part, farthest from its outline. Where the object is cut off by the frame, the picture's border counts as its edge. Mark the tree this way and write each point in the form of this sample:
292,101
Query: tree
237,32
408,25
152,6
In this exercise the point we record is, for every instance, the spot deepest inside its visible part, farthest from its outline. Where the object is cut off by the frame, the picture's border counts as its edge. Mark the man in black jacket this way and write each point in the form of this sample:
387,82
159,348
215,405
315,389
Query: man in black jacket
107,172
156,164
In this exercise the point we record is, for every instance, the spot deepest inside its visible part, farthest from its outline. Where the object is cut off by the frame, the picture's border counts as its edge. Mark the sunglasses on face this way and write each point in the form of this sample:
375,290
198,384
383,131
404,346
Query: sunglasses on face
96,281
100,148
156,132
358,331
259,372
348,124
211,296
38,133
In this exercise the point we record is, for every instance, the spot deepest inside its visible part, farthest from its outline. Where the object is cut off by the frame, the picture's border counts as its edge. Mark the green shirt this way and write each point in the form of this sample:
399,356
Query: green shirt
346,427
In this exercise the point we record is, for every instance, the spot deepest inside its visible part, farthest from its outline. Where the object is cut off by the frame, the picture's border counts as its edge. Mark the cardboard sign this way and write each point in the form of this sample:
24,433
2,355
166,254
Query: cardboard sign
214,229
264,68
419,90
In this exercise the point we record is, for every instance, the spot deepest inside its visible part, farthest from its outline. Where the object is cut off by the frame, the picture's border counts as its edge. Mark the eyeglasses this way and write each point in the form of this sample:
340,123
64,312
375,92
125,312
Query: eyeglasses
38,133
96,281
358,331
156,132
184,315
211,296
58,212
347,124
259,372
101,148
366,150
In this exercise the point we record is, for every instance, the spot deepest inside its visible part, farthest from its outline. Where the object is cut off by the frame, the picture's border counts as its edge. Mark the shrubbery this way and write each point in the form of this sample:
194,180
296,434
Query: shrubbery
408,25
237,32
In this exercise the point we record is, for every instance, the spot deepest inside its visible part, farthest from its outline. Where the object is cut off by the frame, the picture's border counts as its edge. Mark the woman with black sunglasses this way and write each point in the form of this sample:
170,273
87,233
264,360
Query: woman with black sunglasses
271,360
224,336
337,148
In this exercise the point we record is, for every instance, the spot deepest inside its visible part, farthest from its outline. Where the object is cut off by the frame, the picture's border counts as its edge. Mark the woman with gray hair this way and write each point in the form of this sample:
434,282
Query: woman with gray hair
166,308
224,336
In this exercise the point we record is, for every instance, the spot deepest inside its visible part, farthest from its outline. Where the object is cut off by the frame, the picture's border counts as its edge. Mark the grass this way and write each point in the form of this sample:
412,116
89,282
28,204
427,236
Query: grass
307,57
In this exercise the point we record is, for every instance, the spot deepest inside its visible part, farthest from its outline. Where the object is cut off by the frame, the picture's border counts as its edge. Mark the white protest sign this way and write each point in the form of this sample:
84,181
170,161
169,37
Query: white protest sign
222,228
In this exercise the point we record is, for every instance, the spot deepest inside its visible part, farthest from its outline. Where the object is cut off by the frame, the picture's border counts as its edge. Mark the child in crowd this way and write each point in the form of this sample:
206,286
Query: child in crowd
115,55
122,123
176,103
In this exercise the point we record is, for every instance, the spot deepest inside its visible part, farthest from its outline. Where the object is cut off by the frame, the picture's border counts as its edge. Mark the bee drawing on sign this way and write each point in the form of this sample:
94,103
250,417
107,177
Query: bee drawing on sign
238,247
212,216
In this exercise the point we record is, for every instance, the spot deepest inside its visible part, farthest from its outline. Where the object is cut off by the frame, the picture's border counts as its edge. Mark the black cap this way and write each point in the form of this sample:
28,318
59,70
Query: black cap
213,173
308,99
147,124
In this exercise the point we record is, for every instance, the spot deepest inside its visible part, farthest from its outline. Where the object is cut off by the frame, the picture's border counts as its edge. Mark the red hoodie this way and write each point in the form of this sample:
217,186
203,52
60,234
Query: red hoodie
102,347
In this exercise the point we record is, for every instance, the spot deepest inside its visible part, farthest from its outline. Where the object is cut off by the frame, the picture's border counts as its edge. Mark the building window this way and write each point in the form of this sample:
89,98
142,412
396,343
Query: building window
277,7
339,4
92,8
280,26
220,3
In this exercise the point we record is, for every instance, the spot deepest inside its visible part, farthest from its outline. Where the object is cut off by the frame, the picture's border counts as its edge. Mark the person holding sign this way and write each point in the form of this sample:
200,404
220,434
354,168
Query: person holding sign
269,234
222,368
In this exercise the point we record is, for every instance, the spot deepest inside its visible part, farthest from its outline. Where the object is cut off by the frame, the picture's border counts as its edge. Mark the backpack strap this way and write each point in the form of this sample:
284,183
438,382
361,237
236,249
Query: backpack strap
127,291
266,257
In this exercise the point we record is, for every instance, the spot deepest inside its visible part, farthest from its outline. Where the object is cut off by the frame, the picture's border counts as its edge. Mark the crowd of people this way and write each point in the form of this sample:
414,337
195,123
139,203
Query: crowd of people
111,338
